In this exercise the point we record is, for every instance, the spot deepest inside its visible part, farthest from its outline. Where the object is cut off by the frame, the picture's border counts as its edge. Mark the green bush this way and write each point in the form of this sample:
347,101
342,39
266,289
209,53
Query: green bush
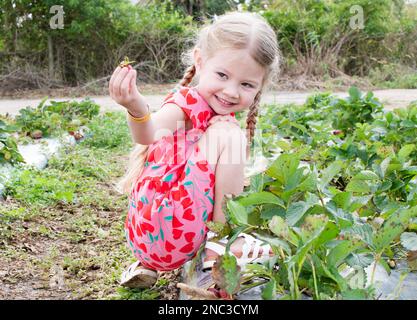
57,117
330,201
8,147
318,35
109,131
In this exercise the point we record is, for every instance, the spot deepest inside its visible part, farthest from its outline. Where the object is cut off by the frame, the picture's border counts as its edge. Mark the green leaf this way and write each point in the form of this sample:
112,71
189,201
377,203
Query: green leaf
355,294
338,253
237,213
261,198
320,236
409,240
342,200
393,227
328,173
274,241
256,182
270,291
358,186
384,166
296,211
359,260
358,280
362,231
354,93
228,265
406,151
279,227
283,168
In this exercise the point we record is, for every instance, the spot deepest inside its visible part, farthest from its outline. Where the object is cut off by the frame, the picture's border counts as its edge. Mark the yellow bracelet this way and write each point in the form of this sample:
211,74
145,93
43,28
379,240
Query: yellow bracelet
145,118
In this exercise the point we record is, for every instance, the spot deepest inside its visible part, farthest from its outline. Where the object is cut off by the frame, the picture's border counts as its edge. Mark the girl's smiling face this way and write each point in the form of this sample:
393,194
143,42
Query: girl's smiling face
229,80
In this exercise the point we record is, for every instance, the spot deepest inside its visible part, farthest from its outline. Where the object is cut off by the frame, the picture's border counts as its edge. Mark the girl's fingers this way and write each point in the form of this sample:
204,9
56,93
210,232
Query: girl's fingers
126,85
119,81
132,83
112,79
131,78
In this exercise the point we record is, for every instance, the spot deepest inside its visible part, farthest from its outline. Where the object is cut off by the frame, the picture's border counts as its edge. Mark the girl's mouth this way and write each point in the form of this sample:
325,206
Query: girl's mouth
224,103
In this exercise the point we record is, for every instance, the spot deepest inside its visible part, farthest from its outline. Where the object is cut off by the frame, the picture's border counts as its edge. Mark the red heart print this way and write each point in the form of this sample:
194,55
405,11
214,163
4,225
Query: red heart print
139,205
176,264
183,191
138,231
146,227
167,258
187,248
188,214
147,212
177,233
153,265
191,99
143,247
169,246
151,156
189,236
176,223
155,257
202,165
131,235
203,116
186,203
212,179
176,195
184,92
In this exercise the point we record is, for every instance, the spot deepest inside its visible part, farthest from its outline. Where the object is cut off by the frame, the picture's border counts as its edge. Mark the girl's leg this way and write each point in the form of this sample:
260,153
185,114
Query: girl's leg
224,146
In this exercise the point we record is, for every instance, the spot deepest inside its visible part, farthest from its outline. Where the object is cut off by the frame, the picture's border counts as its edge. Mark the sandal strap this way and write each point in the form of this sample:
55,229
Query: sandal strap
133,270
217,248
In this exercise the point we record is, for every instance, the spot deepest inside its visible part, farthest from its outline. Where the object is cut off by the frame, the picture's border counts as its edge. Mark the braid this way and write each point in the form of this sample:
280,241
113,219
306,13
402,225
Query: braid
251,121
188,76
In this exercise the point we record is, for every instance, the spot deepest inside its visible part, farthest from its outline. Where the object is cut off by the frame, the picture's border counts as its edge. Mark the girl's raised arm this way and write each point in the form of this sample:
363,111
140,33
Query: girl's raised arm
123,90
163,122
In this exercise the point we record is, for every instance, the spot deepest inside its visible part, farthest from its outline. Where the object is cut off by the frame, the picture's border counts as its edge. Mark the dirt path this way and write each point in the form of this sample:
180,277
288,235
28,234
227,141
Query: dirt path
395,98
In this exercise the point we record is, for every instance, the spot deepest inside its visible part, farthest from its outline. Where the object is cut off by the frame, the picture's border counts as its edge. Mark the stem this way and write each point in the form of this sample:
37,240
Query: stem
295,279
377,257
316,291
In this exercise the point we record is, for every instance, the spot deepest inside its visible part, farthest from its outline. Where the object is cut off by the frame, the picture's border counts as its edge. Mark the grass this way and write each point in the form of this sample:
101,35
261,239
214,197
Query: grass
62,228
394,76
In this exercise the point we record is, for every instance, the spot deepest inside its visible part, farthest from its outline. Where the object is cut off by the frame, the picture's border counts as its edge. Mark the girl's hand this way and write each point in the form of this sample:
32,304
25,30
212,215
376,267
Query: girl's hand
122,87
221,117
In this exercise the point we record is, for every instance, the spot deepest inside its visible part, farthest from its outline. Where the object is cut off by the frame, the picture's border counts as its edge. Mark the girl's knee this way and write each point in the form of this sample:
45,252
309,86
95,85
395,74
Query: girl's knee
232,142
227,133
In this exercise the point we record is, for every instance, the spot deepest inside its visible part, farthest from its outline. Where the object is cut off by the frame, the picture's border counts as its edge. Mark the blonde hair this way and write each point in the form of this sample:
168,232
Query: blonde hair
235,30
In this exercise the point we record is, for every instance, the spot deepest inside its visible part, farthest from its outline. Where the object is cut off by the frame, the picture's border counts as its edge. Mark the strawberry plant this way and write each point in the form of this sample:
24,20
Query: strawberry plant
56,117
8,146
338,200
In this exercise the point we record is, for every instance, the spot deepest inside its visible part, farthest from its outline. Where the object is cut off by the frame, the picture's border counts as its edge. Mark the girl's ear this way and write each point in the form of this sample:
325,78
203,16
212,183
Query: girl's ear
197,59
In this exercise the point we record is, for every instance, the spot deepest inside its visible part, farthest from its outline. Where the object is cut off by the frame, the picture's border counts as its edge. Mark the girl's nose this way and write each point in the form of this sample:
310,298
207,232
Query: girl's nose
231,92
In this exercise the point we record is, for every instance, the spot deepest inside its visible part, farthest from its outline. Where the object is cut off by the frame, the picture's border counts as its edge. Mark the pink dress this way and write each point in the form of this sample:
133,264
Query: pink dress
174,196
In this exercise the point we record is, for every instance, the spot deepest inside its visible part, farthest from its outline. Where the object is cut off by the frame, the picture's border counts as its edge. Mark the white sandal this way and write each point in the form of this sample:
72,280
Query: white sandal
251,245
138,277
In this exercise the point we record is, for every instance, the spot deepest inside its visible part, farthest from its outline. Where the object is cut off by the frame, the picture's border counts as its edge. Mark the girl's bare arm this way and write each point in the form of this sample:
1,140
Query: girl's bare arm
123,90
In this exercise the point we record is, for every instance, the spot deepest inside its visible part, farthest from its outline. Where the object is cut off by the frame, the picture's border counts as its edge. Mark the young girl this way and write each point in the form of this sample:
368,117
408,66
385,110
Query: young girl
192,151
